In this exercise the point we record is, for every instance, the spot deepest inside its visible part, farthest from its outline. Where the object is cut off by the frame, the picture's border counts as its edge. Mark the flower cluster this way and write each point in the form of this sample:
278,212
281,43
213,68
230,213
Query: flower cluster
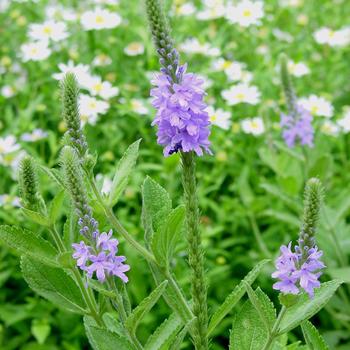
182,118
297,127
298,269
99,258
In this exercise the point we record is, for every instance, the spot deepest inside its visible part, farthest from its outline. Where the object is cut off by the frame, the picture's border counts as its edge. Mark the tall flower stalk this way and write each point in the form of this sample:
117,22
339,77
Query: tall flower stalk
183,126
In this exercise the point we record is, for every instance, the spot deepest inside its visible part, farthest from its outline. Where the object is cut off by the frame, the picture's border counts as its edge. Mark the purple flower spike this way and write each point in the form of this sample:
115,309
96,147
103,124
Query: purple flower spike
298,127
183,123
295,271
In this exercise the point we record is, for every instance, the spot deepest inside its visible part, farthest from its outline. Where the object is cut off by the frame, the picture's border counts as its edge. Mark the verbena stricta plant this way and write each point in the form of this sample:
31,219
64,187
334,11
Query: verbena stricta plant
83,270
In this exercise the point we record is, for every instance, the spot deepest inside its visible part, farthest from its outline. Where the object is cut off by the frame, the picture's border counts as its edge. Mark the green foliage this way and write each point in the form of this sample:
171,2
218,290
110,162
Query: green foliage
306,307
26,242
122,173
53,284
313,339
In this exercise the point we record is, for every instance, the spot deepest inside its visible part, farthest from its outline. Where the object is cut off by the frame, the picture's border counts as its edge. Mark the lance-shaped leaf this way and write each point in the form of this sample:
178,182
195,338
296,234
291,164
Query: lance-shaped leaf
103,339
156,206
263,306
176,344
306,307
56,206
164,334
144,307
164,240
35,217
312,337
124,168
26,242
53,284
248,332
232,299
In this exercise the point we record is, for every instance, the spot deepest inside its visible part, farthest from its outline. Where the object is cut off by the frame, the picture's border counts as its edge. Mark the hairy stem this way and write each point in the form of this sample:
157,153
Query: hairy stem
195,252
274,330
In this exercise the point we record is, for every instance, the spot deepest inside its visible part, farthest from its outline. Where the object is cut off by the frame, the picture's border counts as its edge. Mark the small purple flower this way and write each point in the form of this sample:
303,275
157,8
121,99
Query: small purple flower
295,270
297,127
81,254
105,242
183,123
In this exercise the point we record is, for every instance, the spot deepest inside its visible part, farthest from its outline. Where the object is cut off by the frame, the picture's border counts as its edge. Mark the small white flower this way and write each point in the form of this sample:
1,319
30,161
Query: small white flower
8,144
134,49
81,71
317,106
7,199
328,36
35,135
344,123
100,19
139,106
330,128
97,87
37,51
90,108
246,13
49,30
219,117
241,93
212,9
283,36
186,9
102,60
298,69
193,46
254,126
55,12
8,91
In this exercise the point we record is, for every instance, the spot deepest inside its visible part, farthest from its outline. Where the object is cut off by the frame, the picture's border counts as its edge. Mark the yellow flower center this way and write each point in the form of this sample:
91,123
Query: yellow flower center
314,109
240,96
97,87
254,125
99,19
92,105
247,13
34,51
47,30
213,118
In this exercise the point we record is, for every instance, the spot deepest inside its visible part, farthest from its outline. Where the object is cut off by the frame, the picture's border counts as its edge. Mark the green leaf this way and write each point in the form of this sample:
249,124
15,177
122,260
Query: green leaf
306,307
55,175
343,273
53,284
56,206
112,323
40,330
235,296
156,206
248,332
103,339
144,307
165,239
312,337
181,336
36,217
262,305
123,171
26,242
70,229
164,334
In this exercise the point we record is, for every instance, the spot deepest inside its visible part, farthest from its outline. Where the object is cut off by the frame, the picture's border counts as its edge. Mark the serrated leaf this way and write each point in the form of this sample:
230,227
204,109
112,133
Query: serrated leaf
26,242
176,344
99,287
164,334
36,217
248,332
144,307
53,284
164,240
124,168
306,307
112,323
56,206
103,339
235,296
312,337
262,305
156,206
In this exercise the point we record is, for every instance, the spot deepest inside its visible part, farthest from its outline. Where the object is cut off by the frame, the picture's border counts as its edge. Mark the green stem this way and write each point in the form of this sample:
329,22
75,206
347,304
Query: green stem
258,237
274,331
195,252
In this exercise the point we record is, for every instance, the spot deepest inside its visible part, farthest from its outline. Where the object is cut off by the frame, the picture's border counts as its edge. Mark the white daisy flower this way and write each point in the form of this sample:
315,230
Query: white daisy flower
7,199
298,69
317,106
81,71
219,117
138,106
186,9
90,108
8,144
328,36
35,135
245,13
330,128
344,123
100,19
49,30
36,51
193,46
97,87
134,49
8,91
241,93
254,126
212,9
102,60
